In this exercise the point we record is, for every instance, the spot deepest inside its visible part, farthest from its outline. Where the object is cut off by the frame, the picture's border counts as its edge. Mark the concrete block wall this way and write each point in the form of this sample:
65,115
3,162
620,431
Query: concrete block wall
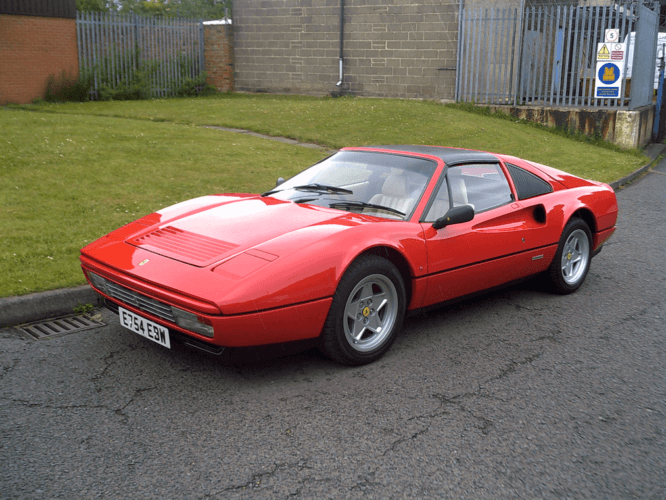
31,49
393,48
218,54
627,129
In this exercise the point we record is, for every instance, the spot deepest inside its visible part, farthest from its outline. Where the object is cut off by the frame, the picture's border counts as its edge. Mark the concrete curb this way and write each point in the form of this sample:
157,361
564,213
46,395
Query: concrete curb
42,305
653,151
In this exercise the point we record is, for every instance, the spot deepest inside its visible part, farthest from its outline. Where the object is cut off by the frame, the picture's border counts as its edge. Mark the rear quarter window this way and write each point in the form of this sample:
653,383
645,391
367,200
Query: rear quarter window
527,184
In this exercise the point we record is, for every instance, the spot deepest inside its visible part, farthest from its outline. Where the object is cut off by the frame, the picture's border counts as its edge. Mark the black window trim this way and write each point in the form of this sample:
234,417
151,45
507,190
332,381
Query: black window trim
444,175
426,209
517,195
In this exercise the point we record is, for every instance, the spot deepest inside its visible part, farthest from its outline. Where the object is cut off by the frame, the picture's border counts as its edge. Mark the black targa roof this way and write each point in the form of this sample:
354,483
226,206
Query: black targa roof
450,156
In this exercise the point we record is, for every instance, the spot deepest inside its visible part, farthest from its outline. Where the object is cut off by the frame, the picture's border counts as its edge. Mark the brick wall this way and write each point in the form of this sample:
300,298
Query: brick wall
392,48
31,49
218,53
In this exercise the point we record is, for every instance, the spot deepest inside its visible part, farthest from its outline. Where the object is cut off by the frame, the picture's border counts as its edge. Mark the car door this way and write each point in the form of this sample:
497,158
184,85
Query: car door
502,243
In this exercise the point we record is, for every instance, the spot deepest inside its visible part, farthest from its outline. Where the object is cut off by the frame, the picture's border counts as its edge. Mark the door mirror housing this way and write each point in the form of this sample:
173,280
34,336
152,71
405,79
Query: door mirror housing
455,215
280,180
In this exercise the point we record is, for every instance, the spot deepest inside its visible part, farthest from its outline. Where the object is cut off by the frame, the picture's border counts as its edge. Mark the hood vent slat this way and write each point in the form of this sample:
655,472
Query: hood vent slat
184,245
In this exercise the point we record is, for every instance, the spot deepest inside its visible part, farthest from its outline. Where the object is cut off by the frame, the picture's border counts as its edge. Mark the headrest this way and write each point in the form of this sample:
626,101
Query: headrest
396,186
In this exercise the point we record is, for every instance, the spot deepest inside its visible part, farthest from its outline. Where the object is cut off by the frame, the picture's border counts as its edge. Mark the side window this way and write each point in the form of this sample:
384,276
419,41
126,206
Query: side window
527,184
483,186
440,203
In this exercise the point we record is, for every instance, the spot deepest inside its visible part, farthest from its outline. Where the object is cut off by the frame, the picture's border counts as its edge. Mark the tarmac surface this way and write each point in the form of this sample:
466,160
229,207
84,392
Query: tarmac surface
515,394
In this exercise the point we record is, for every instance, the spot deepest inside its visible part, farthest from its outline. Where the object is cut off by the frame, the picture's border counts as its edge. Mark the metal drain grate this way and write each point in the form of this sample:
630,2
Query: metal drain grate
62,326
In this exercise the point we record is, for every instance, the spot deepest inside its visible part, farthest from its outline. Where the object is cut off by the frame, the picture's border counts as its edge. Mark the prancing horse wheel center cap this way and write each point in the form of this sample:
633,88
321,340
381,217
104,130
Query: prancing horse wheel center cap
366,311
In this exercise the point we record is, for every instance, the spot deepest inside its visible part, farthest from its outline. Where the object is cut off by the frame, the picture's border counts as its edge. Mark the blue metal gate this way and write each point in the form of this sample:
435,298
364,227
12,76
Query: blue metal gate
645,54
546,55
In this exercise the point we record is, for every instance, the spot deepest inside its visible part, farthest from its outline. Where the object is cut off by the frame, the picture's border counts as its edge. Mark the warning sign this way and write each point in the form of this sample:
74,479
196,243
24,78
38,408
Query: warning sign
603,53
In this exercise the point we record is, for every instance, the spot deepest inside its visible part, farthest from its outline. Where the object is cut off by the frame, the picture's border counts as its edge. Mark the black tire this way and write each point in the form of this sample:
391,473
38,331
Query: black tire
572,260
373,290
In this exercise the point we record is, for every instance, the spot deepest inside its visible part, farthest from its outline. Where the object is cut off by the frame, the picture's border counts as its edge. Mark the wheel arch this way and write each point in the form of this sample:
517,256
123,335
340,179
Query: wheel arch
398,260
587,216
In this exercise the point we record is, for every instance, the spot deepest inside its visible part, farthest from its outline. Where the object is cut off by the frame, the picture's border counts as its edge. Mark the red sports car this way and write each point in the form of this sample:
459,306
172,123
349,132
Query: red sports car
340,252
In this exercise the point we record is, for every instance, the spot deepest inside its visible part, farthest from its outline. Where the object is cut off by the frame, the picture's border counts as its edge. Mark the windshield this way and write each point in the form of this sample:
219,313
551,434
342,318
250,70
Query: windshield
380,184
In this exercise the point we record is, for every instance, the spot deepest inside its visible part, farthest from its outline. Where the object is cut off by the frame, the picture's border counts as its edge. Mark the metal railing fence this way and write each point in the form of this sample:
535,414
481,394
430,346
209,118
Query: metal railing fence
543,56
123,50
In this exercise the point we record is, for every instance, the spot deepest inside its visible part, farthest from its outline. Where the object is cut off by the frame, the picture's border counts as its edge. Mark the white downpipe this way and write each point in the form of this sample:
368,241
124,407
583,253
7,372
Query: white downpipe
342,38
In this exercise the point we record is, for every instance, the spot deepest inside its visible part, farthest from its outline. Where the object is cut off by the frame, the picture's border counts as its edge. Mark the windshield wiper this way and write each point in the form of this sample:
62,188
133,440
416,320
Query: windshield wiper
324,188
320,188
304,200
362,204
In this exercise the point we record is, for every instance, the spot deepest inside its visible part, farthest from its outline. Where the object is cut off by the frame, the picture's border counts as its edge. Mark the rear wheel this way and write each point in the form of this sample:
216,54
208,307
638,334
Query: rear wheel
366,313
572,259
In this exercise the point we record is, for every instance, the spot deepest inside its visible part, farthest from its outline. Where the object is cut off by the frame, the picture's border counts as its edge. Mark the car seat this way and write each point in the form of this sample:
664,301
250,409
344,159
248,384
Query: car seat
394,194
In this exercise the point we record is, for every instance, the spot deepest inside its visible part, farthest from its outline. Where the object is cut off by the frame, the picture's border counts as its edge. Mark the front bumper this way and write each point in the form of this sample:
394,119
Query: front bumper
188,340
271,326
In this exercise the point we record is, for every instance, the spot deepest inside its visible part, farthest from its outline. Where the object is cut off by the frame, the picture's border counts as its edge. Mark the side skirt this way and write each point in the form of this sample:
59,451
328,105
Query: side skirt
423,310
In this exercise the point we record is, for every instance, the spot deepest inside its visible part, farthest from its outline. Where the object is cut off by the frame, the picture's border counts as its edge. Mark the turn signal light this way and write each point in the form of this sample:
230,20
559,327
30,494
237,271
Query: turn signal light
191,322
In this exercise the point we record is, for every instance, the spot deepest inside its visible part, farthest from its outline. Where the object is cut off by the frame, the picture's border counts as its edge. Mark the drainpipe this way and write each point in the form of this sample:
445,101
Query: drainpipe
342,30
458,50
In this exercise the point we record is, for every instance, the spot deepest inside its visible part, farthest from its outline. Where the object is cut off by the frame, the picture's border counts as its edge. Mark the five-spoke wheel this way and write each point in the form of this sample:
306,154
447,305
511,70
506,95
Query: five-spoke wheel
575,257
371,311
367,312
572,259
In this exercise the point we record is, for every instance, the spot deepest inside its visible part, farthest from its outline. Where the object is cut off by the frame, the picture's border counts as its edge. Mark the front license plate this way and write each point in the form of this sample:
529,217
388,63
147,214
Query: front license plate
144,327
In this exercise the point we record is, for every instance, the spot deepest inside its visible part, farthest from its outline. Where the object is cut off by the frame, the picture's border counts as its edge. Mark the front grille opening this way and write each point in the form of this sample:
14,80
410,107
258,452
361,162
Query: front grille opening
136,299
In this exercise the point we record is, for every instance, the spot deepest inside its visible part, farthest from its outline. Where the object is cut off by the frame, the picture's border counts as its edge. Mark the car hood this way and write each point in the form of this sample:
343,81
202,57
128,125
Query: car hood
242,253
211,235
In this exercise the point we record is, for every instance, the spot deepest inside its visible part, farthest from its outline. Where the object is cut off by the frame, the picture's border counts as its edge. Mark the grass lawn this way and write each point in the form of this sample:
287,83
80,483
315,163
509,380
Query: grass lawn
69,173
67,180
356,122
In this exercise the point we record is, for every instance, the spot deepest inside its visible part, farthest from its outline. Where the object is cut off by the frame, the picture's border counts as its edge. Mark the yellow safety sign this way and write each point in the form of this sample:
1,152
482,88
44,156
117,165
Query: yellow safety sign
603,53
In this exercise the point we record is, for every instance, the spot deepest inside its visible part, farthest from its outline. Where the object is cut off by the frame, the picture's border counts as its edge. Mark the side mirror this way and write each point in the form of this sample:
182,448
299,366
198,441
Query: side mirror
279,181
455,215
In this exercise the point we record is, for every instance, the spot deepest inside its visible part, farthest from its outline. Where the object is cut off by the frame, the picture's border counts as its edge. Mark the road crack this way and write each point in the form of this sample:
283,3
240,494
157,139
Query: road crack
255,481
483,424
366,482
398,442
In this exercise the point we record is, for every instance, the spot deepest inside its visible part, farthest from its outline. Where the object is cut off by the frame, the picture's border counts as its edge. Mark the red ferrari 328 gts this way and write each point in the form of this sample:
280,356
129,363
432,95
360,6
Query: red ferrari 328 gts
340,252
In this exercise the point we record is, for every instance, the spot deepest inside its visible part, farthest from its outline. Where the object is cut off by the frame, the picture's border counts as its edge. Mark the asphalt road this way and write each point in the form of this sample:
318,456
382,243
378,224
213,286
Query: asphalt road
517,394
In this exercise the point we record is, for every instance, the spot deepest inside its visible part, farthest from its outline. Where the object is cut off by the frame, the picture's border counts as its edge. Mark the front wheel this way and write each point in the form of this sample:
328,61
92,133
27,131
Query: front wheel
572,259
366,313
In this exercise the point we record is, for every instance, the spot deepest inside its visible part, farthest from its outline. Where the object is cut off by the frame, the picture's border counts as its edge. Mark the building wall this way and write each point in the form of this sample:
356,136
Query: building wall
218,54
31,49
392,48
